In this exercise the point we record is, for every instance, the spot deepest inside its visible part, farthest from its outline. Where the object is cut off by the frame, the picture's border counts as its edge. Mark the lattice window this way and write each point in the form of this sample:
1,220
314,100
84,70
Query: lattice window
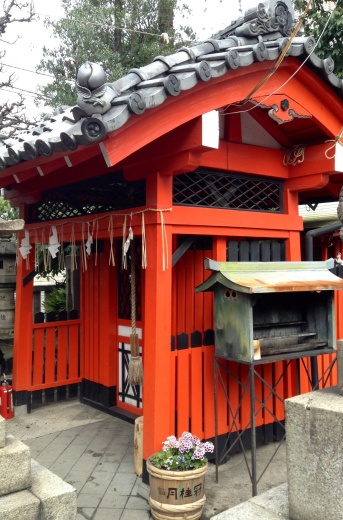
217,189
106,193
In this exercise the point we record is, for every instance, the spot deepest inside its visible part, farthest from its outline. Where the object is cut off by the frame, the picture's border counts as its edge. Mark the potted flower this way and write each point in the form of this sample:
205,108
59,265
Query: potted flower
177,476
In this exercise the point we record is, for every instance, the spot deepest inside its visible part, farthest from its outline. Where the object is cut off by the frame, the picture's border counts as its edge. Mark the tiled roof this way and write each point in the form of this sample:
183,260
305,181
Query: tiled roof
325,213
104,107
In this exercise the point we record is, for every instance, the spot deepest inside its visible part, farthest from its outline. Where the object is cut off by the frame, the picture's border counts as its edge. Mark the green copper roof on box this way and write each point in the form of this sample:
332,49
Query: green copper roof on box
262,277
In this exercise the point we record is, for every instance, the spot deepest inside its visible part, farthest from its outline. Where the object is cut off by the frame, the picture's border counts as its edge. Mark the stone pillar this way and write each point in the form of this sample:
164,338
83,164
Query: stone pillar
314,426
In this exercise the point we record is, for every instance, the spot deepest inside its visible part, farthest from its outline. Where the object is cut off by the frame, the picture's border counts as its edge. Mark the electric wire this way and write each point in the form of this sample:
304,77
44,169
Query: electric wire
261,103
34,94
27,70
282,55
103,25
223,110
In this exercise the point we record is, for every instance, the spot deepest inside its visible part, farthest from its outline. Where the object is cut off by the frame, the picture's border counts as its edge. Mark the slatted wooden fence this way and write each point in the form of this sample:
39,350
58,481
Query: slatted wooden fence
193,358
55,354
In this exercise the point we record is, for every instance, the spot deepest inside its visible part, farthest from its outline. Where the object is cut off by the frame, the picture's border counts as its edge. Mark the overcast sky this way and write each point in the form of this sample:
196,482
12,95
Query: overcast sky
208,16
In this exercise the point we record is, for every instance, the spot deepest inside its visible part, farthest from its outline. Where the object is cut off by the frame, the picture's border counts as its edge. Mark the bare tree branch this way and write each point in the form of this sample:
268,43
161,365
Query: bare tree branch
12,117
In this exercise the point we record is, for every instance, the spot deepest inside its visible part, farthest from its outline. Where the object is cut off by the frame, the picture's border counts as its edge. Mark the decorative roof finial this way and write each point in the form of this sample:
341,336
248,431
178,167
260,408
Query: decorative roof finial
94,94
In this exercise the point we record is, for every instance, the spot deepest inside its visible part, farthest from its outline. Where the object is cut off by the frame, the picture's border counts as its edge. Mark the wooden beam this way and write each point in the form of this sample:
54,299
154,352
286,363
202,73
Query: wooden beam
315,161
245,158
168,166
233,157
27,190
181,250
311,182
206,221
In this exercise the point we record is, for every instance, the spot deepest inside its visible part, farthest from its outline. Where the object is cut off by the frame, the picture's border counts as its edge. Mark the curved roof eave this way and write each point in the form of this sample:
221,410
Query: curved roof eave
109,106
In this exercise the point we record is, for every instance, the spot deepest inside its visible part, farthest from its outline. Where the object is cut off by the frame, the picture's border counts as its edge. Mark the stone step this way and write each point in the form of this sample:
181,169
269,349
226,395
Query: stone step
15,464
58,498
21,505
271,505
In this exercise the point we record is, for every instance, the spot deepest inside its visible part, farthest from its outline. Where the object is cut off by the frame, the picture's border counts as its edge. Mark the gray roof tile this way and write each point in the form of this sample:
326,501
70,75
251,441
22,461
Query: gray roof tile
104,107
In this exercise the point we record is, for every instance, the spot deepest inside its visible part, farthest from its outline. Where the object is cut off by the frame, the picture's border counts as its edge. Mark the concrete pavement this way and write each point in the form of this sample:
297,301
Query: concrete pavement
93,451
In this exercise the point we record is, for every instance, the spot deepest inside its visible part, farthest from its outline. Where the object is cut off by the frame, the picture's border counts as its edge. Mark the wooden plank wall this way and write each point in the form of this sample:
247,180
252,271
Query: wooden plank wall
192,318
99,310
193,357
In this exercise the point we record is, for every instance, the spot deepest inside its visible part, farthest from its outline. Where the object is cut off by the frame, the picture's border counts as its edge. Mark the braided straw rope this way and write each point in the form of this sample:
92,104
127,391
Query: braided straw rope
176,475
187,511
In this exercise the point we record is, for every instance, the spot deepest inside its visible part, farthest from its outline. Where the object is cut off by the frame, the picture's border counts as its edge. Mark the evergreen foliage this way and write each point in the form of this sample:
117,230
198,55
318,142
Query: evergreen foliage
118,34
56,300
331,42
6,211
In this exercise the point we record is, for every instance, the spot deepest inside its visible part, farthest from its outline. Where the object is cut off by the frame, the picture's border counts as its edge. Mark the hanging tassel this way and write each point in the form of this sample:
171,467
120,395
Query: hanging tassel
164,243
83,249
61,257
96,226
124,249
111,260
44,251
144,255
73,265
135,374
135,370
36,251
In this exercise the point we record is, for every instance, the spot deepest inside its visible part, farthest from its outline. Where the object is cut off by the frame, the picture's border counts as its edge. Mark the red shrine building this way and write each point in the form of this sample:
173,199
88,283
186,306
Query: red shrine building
205,153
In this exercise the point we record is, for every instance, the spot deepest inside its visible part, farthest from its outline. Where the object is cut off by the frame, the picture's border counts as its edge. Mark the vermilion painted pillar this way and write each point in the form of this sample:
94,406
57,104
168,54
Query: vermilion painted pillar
293,243
157,359
22,347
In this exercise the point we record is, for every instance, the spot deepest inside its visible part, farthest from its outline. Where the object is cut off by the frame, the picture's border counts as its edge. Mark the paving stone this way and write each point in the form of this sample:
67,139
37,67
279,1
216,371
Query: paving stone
137,515
78,461
106,514
97,485
58,499
111,500
15,474
137,503
126,467
85,513
87,500
248,511
123,483
22,505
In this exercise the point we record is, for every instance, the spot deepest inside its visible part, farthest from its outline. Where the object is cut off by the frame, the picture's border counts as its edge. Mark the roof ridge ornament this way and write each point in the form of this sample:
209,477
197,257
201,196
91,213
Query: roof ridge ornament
269,17
94,94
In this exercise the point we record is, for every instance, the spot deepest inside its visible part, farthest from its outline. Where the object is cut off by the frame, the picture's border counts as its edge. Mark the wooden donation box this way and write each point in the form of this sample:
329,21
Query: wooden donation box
272,308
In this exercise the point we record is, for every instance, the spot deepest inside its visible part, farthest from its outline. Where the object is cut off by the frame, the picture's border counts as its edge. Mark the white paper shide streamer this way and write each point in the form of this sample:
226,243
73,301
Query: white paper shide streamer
89,242
54,244
128,240
25,246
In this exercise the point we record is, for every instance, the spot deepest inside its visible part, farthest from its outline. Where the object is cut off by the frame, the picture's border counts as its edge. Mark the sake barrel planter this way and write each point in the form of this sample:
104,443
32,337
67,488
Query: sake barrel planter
178,495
